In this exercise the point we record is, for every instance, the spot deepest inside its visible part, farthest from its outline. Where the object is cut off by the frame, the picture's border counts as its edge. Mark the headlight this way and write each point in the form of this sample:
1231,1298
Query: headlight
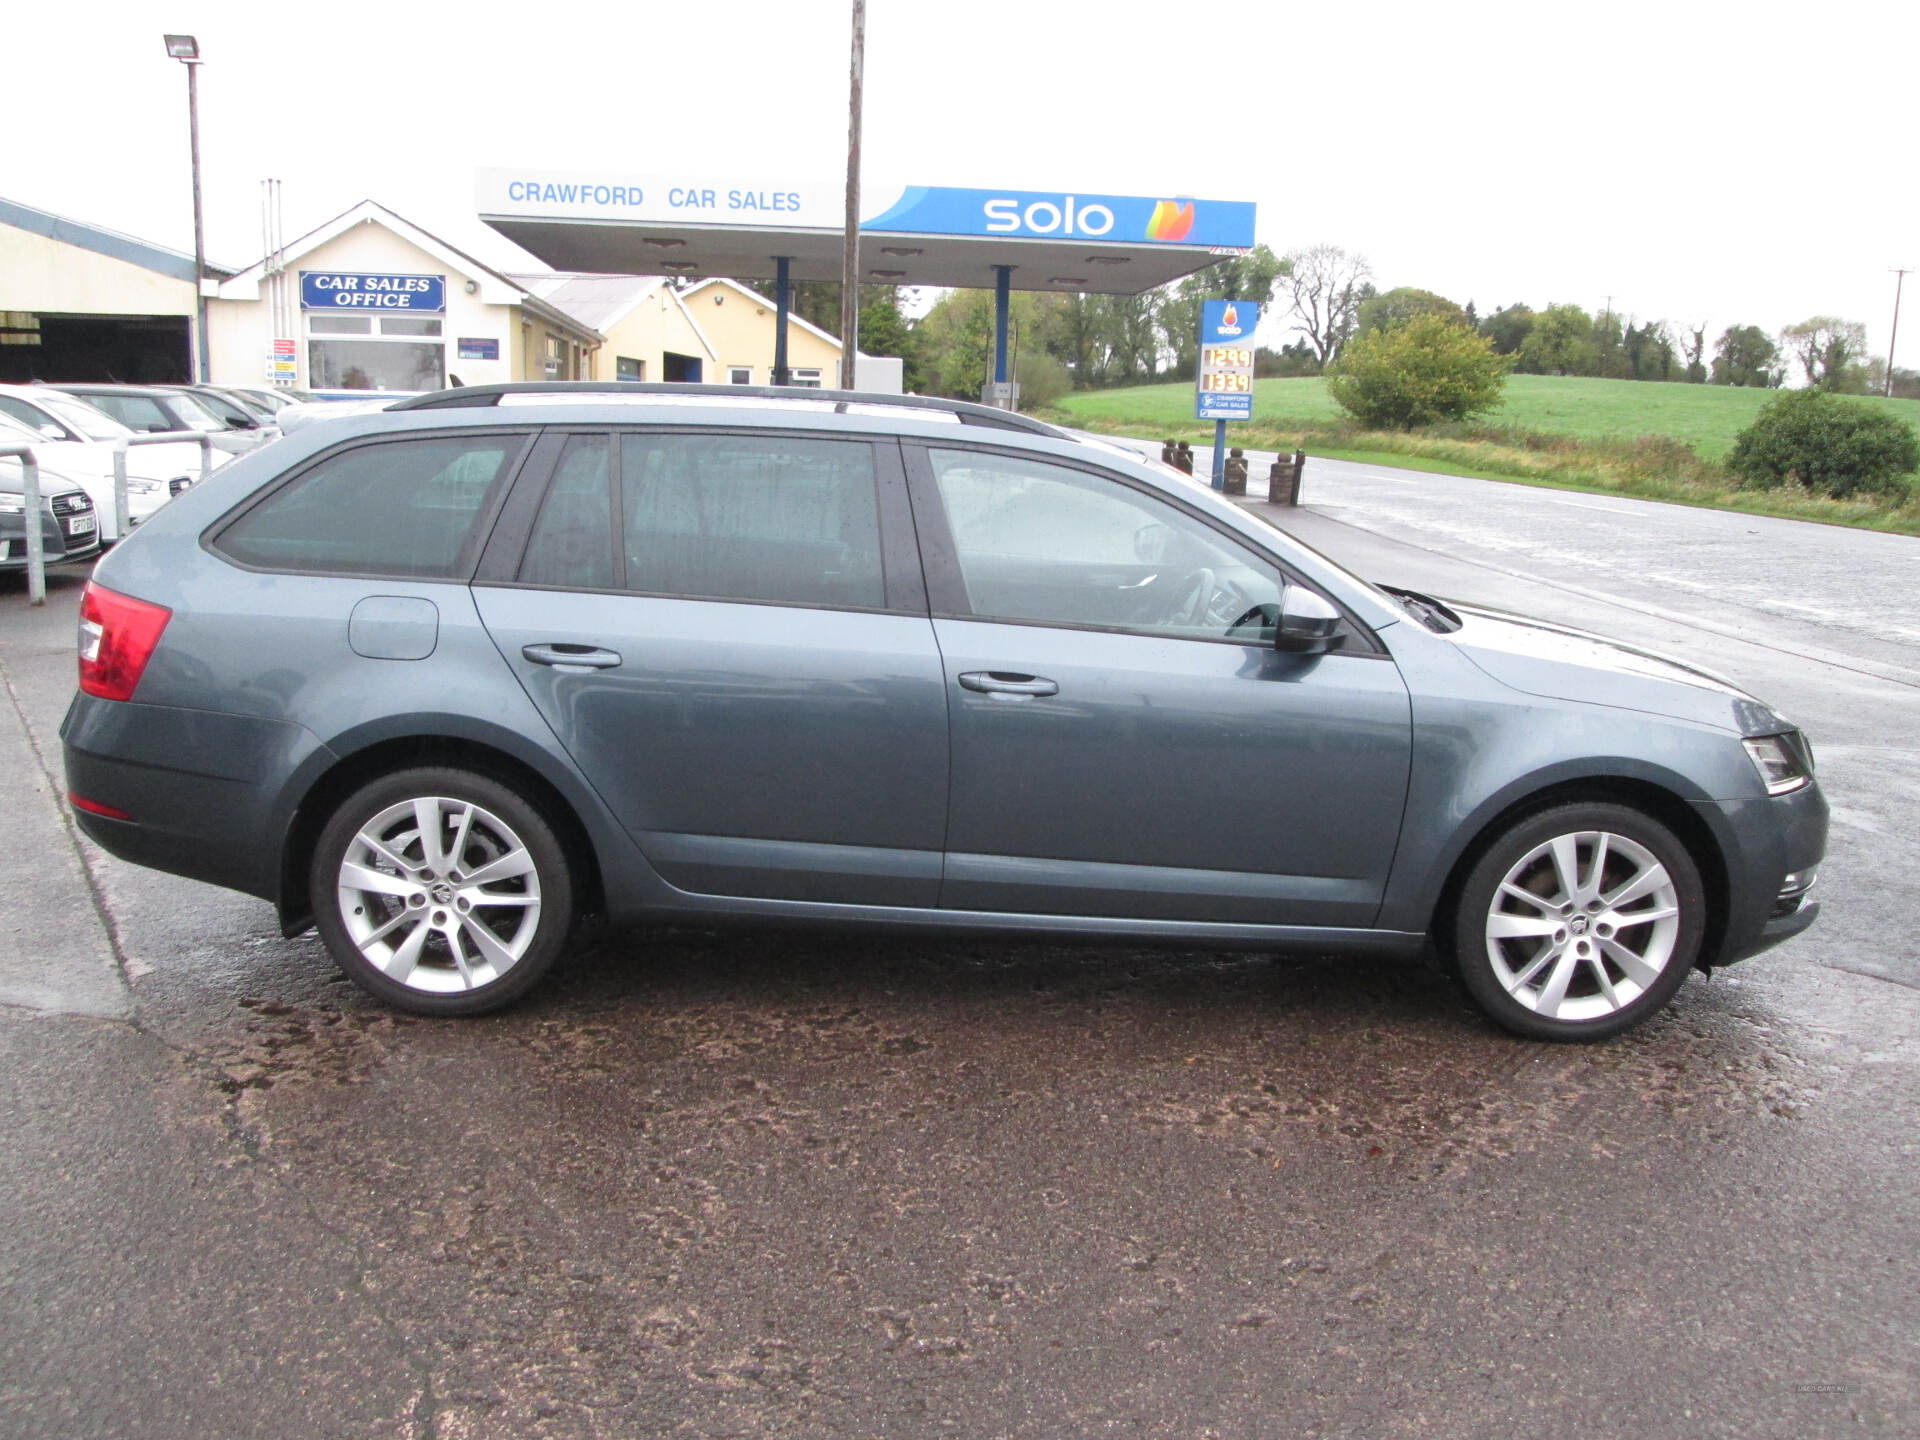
12,504
145,487
1779,760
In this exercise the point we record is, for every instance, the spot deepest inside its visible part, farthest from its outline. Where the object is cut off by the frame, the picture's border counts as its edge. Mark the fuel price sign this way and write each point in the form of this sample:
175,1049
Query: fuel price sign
1224,389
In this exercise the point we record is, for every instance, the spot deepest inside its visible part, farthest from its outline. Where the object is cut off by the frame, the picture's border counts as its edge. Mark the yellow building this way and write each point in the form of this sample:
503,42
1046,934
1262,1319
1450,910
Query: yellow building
715,332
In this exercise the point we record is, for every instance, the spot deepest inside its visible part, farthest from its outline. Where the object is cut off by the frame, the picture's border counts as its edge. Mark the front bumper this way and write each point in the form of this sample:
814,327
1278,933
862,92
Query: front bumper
1765,842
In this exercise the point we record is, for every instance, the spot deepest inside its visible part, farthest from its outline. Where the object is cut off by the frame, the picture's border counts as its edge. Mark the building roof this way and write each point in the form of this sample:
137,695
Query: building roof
601,301
496,288
102,241
793,317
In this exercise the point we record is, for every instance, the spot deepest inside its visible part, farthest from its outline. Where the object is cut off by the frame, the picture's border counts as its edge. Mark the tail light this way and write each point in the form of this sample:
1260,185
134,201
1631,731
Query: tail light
117,638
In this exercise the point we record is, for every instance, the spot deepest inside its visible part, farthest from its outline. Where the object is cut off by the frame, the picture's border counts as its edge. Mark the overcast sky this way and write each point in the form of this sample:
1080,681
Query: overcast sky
1697,162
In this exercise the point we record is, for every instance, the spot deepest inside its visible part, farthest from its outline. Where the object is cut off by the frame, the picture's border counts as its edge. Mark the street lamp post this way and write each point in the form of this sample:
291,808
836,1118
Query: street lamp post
186,50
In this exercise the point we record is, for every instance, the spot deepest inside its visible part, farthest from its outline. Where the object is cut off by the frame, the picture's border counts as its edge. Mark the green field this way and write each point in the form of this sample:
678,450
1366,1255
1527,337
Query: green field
1705,417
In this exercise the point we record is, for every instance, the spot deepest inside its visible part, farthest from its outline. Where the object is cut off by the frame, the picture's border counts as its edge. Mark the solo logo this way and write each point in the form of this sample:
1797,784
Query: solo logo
1043,217
1229,320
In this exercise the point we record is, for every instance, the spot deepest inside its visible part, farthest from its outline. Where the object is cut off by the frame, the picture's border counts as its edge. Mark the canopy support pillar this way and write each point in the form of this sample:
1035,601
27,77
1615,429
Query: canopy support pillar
782,303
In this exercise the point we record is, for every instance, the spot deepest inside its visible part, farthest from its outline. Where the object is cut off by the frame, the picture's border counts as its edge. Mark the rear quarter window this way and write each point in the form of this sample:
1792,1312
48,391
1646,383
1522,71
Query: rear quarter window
405,508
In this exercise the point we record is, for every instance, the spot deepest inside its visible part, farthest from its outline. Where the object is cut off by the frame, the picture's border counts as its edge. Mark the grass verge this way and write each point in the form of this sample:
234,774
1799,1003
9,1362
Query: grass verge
1648,467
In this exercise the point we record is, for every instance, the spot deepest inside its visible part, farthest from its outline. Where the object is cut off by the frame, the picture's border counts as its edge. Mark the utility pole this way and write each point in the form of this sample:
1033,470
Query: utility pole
186,50
850,266
1893,339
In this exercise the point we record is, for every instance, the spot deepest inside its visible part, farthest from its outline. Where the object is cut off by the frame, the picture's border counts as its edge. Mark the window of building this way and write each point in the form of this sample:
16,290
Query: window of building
404,508
625,367
792,521
386,352
339,324
739,374
808,378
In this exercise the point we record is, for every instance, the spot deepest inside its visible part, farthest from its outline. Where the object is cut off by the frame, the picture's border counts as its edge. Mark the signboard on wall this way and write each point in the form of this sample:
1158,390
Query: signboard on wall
473,347
353,290
1223,389
283,362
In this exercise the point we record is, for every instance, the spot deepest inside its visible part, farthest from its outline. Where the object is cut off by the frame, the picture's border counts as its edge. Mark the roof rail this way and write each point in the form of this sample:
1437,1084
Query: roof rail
474,396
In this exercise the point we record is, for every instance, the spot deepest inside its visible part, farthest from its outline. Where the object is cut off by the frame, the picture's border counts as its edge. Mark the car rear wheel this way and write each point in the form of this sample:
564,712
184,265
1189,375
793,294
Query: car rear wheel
1579,922
441,891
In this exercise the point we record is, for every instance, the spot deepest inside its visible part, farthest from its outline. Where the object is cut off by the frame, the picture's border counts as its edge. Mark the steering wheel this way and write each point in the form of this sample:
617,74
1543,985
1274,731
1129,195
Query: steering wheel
1191,597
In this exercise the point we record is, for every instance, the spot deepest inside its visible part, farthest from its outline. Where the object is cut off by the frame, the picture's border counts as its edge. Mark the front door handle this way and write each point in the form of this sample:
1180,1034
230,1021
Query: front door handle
1002,682
572,659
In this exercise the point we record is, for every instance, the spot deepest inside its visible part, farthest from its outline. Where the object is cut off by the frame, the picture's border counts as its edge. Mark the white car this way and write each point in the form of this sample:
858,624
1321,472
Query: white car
77,440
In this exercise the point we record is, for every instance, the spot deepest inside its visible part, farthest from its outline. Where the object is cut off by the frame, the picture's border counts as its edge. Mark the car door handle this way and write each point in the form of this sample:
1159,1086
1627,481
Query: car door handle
1001,682
574,659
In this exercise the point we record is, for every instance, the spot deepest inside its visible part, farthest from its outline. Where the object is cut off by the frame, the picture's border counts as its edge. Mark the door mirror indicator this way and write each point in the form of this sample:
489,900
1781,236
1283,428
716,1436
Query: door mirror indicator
1308,624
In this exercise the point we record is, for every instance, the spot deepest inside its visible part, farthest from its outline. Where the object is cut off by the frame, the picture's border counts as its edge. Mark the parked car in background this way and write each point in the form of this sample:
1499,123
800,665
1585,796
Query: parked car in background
160,409
271,399
77,440
440,678
69,528
239,412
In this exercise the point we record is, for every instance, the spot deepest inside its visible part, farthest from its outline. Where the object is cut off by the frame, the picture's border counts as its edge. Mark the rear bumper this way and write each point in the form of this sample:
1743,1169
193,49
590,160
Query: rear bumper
199,788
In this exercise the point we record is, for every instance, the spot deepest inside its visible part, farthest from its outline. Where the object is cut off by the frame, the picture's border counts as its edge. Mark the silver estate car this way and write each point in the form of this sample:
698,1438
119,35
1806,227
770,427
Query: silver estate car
445,678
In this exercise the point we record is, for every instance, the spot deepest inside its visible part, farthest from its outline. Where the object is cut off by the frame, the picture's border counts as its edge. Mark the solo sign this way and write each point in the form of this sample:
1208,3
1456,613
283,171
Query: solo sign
1223,389
344,290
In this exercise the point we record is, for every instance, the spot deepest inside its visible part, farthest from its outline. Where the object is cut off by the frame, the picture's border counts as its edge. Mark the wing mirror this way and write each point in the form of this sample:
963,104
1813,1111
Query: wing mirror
1308,624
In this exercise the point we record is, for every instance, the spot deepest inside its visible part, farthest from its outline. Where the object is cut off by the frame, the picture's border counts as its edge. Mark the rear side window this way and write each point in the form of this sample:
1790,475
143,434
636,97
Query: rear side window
405,508
784,519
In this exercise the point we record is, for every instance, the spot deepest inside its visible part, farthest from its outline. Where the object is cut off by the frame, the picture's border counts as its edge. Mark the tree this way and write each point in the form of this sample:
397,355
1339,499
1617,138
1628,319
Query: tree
1696,344
1743,355
1415,372
885,331
1323,288
1245,277
1834,446
1832,352
954,340
1650,351
1508,328
1403,303
1560,342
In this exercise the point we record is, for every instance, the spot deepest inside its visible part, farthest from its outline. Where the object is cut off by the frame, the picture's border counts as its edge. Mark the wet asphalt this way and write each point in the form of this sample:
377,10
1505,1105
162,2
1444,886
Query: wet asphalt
741,1184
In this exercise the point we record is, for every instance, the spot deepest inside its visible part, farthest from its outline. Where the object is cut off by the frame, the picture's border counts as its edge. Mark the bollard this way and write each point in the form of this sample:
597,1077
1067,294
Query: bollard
1283,480
1166,452
33,539
1183,457
122,520
1235,478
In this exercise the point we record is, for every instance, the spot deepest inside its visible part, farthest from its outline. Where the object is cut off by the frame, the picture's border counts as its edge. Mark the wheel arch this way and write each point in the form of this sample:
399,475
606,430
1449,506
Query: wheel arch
1650,798
382,754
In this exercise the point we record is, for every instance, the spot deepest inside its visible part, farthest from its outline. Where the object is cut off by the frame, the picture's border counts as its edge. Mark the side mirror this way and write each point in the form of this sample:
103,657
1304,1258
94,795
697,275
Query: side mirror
1308,624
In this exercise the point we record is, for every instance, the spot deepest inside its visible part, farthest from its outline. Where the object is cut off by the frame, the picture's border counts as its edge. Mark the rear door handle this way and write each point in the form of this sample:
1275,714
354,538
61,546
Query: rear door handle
1002,682
573,659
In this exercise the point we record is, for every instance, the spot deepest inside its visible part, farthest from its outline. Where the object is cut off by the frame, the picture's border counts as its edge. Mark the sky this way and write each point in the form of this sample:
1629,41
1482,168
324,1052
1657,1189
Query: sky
1701,163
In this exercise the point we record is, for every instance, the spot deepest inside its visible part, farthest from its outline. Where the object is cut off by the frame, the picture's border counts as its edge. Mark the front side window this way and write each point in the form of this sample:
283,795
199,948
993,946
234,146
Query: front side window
787,520
1049,545
139,412
405,508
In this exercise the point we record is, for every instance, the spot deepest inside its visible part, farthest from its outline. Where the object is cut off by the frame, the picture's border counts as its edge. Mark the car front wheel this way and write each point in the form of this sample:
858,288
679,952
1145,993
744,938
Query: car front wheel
441,891
1579,922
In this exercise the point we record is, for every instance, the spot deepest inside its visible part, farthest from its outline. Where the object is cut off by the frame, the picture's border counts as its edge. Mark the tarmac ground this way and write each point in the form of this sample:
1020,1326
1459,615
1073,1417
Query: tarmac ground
731,1184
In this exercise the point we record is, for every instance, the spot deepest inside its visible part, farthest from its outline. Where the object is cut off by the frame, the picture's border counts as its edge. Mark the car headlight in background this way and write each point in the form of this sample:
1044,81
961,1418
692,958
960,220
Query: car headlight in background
136,486
1785,762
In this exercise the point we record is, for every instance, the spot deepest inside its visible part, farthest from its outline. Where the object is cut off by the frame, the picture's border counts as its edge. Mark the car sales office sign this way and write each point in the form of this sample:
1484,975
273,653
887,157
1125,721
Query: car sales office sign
1224,389
346,290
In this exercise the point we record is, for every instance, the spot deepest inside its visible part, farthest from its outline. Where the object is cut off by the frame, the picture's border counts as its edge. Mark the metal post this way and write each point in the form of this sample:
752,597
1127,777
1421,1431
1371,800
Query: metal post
1219,454
850,263
1893,339
1002,299
199,231
782,303
122,511
30,520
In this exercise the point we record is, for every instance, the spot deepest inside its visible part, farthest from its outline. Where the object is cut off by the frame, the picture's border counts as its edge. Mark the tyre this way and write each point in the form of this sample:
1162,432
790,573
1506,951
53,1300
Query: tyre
1579,922
441,891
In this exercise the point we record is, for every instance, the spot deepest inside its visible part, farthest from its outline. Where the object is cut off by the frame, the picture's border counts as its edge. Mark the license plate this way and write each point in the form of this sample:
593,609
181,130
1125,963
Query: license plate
82,525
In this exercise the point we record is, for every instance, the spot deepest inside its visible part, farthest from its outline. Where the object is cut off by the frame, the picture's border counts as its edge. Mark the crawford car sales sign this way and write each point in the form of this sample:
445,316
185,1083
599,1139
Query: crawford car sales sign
344,290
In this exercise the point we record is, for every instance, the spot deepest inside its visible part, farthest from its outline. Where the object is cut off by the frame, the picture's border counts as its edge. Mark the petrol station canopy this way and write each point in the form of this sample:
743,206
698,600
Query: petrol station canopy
921,235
